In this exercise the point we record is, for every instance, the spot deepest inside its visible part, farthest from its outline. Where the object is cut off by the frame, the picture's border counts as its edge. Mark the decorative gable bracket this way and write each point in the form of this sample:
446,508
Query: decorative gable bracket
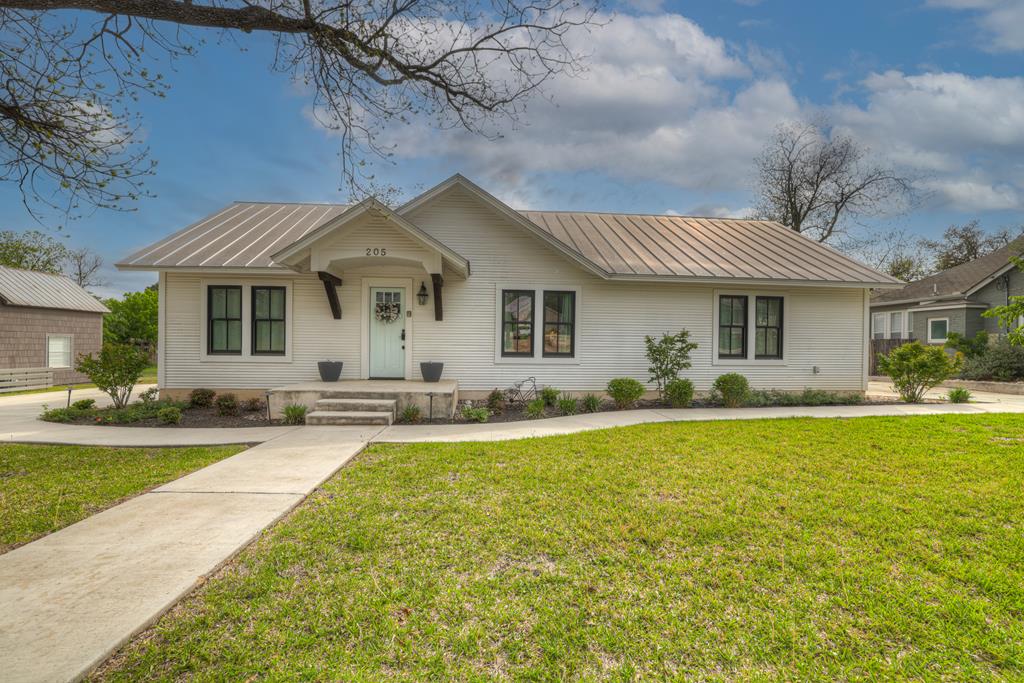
331,284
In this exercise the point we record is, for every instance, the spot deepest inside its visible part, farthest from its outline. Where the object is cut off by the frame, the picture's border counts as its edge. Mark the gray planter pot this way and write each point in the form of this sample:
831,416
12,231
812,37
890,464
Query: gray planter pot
330,370
431,371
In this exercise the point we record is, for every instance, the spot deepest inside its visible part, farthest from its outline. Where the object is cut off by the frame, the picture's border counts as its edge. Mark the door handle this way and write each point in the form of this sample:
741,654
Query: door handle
403,334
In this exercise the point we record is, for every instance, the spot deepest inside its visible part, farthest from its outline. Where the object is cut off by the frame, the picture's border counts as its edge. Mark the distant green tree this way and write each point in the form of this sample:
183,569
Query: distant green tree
1010,315
32,250
132,319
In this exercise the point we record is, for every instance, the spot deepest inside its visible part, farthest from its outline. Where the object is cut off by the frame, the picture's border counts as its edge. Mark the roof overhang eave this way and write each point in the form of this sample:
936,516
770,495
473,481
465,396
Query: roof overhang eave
775,282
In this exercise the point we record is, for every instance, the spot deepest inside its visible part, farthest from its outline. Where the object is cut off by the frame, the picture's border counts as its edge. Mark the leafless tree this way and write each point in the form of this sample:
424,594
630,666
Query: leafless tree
894,252
963,243
70,71
817,183
83,266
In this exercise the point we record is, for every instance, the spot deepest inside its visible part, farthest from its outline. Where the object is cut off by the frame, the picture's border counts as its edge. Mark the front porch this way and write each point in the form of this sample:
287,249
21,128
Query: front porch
367,401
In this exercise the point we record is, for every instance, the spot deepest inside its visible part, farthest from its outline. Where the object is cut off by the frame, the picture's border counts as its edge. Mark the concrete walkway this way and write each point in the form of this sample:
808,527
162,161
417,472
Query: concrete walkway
70,599
19,421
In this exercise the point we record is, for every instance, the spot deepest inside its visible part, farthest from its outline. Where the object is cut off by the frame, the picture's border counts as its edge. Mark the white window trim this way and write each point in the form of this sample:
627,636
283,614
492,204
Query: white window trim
937,341
364,320
903,319
538,325
883,328
246,356
751,295
71,351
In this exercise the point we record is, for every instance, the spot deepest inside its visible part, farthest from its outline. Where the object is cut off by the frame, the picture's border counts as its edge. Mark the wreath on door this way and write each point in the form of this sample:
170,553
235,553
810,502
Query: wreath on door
387,312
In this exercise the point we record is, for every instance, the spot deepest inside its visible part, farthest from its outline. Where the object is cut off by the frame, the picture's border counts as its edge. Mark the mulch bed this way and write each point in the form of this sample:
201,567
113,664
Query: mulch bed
199,417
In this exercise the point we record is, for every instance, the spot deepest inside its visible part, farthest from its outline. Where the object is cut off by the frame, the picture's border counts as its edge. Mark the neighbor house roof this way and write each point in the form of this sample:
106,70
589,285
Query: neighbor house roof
614,246
957,282
43,290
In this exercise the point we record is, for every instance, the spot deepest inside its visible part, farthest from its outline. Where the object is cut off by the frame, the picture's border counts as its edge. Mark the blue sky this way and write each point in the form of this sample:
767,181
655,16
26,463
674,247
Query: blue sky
678,100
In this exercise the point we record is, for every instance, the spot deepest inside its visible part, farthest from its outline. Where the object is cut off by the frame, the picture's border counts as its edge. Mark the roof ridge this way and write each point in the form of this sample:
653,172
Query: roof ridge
263,201
648,214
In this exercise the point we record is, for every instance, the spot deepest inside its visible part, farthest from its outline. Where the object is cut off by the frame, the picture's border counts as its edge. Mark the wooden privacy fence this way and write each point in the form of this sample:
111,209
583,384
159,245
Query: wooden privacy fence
882,346
19,379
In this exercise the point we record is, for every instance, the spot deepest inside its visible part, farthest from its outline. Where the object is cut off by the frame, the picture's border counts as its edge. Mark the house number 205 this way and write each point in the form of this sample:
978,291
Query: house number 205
376,251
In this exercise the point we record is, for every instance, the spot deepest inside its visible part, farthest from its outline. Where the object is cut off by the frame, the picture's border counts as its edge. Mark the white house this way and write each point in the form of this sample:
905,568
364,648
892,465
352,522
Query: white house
252,297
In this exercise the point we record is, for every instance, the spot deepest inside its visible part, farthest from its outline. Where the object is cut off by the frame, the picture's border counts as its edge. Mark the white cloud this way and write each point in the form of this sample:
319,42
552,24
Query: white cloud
965,135
1001,21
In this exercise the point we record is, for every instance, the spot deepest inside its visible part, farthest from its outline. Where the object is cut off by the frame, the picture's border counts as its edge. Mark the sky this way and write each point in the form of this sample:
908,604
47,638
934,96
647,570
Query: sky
678,99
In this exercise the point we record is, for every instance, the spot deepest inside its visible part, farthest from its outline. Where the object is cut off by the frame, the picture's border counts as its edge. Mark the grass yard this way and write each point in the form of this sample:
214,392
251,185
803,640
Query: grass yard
777,549
45,488
148,377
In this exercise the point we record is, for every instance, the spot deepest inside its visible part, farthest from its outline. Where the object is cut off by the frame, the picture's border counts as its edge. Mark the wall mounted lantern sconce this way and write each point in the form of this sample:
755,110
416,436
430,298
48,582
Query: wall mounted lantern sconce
422,294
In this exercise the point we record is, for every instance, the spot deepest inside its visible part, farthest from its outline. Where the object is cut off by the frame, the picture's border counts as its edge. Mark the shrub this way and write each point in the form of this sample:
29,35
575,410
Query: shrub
731,389
114,370
61,414
410,414
149,395
227,404
1001,361
550,396
253,405
84,404
201,398
496,401
625,391
568,405
970,348
959,395
679,392
591,403
294,414
171,415
667,357
471,414
535,408
914,369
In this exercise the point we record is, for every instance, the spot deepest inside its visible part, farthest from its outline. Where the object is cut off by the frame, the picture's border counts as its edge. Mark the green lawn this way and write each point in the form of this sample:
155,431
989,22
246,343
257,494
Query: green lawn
148,377
45,488
777,549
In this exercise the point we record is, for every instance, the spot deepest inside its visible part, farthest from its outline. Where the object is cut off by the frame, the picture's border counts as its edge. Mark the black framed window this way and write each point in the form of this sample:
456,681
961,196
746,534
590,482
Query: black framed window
268,316
517,322
559,324
224,319
732,326
768,327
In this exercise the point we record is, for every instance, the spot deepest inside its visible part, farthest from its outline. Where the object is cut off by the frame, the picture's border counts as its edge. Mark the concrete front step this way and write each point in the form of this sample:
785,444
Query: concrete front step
364,405
349,417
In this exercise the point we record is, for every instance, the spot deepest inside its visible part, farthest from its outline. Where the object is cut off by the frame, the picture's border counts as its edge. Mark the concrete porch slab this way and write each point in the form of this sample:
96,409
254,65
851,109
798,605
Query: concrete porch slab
404,392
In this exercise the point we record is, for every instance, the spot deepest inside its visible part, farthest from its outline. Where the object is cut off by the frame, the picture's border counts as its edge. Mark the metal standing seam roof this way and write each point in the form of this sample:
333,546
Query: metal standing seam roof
43,290
247,234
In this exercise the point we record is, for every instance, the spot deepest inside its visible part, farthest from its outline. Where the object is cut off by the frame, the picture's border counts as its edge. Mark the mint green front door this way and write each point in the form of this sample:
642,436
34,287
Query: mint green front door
387,333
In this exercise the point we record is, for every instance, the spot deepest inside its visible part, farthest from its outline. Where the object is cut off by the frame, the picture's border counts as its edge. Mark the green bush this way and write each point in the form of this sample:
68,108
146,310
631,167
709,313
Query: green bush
114,370
471,414
171,415
227,404
84,404
1002,362
808,397
62,414
591,403
149,395
535,408
731,390
496,401
294,414
625,391
678,392
410,414
253,405
914,369
568,405
550,396
959,395
134,412
201,398
667,357
970,348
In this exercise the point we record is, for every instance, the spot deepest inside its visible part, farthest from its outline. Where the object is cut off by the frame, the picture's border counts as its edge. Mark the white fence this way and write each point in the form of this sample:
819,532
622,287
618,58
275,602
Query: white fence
20,379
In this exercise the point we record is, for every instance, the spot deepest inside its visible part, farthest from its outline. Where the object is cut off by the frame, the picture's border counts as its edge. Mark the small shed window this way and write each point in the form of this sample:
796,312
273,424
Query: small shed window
224,319
268,320
938,330
517,322
732,327
58,351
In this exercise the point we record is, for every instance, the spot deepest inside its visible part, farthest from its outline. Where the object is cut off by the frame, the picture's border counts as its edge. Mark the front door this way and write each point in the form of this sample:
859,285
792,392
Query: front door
387,332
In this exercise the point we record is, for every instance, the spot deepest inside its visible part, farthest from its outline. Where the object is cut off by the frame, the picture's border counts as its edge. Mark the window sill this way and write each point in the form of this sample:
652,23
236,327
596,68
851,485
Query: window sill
251,358
520,360
749,362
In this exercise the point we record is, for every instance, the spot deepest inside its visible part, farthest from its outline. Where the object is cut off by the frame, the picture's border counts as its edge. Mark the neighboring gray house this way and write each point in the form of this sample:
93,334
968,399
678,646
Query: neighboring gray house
47,321
950,301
